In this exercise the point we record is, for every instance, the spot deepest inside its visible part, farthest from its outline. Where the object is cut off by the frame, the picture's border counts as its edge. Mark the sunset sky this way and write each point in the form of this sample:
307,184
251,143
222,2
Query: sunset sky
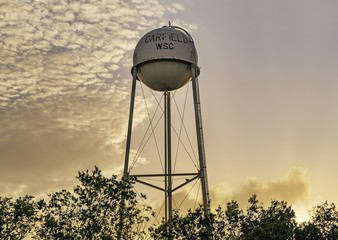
268,85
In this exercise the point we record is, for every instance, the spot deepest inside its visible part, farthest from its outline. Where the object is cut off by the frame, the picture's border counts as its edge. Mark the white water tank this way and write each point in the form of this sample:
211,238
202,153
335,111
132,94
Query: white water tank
163,58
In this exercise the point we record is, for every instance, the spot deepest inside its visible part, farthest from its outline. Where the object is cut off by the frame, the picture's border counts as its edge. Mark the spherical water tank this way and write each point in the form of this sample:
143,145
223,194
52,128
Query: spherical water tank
163,58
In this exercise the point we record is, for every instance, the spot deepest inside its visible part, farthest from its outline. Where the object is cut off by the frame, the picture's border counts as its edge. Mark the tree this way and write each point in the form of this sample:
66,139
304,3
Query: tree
323,224
325,217
17,217
228,223
104,208
195,225
277,222
308,231
250,222
99,208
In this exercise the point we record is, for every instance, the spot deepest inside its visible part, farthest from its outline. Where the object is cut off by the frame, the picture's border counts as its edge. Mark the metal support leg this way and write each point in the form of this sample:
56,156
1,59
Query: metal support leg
165,160
167,152
170,201
200,142
130,124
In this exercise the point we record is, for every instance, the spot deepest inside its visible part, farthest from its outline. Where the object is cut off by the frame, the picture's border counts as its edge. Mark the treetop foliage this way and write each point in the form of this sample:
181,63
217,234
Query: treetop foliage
107,208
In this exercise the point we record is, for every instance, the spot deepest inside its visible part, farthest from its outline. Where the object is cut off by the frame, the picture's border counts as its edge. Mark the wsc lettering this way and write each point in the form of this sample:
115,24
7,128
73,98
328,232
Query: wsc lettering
165,45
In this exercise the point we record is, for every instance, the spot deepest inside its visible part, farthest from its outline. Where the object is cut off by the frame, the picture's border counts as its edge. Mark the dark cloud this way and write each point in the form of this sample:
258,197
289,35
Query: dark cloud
55,141
64,87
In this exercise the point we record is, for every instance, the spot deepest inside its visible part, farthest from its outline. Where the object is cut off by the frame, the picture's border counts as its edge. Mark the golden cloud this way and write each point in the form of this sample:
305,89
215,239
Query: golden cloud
294,188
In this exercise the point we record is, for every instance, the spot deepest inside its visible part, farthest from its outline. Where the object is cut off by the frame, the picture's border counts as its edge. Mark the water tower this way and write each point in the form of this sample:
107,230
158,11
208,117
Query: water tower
165,59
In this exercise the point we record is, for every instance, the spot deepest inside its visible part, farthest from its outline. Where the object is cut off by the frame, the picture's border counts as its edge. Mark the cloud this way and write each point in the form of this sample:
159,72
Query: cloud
293,188
55,141
175,7
58,45
65,87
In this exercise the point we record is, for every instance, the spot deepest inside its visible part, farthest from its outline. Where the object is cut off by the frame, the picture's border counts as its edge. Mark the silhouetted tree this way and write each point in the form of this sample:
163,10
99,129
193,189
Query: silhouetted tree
277,222
308,231
99,208
325,217
17,217
323,224
233,222
194,225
